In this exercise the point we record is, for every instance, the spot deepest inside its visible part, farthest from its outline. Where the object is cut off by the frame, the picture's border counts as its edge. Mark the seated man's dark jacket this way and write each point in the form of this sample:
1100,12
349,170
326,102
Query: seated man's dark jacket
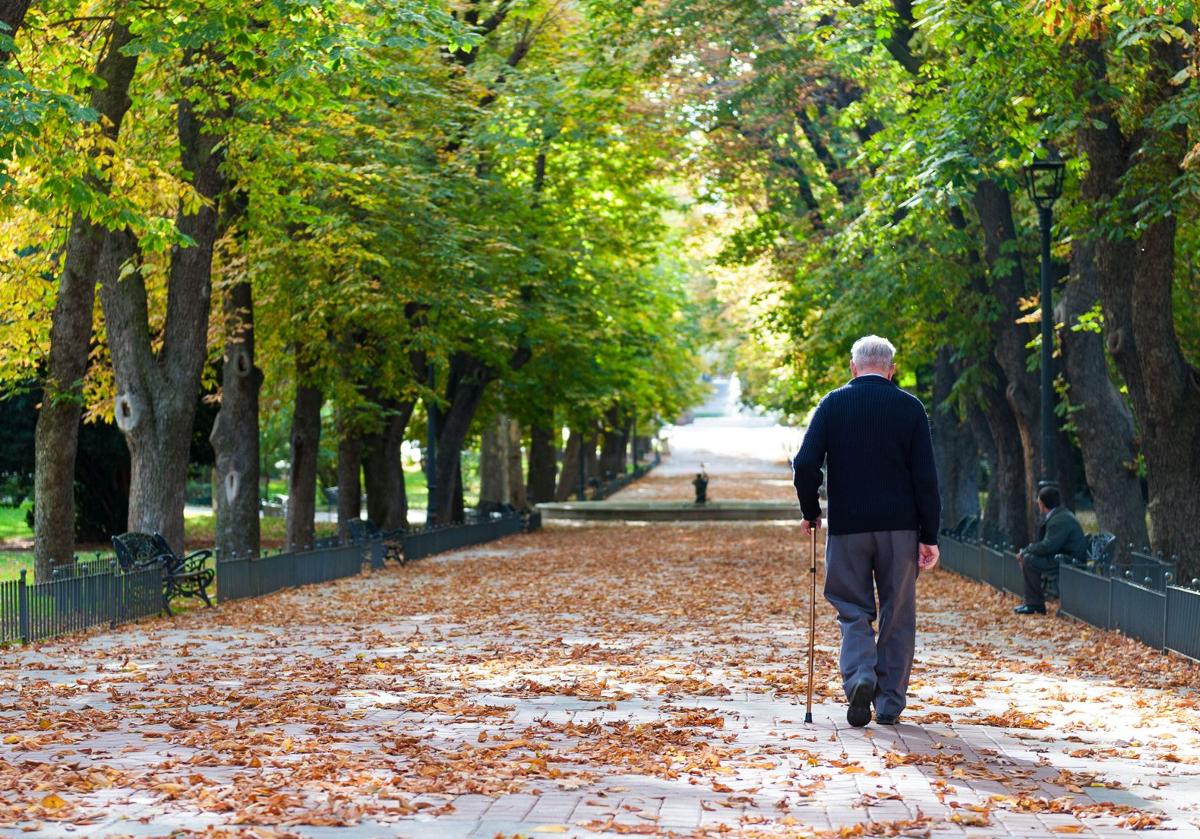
874,439
1059,533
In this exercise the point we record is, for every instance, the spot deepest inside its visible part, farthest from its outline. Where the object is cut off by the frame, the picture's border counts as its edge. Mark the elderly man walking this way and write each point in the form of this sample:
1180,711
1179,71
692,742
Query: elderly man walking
873,438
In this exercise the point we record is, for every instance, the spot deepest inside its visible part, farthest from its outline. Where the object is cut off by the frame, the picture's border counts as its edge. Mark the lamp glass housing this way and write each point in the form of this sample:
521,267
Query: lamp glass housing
1044,180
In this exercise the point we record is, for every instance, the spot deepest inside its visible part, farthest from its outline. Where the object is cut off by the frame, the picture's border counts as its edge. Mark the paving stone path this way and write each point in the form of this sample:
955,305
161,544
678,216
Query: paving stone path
599,680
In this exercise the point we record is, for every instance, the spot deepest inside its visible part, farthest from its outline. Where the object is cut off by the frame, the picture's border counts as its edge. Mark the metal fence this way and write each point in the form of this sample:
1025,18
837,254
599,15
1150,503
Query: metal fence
95,592
422,543
81,599
253,576
1139,599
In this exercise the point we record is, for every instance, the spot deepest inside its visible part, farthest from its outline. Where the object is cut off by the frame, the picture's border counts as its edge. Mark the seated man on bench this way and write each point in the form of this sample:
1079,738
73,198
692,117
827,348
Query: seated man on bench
1060,539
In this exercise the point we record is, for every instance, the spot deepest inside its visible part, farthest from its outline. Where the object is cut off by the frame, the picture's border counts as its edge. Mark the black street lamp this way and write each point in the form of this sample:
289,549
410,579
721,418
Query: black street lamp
1044,180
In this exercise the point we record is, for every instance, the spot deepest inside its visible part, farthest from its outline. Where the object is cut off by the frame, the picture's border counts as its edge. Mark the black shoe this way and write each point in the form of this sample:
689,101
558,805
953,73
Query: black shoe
860,695
887,719
1029,609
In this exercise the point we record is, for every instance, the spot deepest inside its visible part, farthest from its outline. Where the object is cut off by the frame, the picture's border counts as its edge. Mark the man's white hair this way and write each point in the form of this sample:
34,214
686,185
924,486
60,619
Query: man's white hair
872,352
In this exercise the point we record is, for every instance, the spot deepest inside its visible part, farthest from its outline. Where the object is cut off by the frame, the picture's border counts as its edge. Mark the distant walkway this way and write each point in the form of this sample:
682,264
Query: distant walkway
746,455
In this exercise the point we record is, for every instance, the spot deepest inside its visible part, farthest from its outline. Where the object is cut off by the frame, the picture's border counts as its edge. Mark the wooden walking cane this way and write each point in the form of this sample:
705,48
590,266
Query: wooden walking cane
812,624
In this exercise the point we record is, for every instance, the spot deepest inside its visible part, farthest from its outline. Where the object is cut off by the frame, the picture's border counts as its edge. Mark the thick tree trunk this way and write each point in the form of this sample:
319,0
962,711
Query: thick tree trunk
1136,278
568,480
614,446
1006,519
89,255
543,463
1102,419
994,207
349,483
517,495
302,478
468,381
235,432
157,392
383,471
494,490
954,449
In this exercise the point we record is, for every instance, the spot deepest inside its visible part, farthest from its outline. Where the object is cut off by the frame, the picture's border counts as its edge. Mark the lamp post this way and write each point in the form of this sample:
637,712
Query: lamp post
1044,180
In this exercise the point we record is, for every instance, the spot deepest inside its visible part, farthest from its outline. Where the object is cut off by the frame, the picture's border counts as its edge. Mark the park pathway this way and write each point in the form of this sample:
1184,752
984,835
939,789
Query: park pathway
587,680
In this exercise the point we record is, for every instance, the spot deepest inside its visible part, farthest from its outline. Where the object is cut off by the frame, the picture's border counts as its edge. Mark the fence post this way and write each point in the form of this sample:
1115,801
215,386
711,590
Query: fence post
23,608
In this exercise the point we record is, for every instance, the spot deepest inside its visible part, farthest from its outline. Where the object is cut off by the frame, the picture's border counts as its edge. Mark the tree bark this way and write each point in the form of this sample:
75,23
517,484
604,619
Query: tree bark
383,471
543,463
568,480
1136,278
235,432
994,207
349,483
12,15
468,381
302,478
614,445
157,392
1101,417
954,449
494,488
517,495
89,254
1006,518
591,456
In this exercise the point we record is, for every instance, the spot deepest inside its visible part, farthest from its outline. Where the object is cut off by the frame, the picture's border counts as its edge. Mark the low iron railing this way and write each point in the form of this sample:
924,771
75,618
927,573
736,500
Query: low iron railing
83,599
1140,599
422,543
95,592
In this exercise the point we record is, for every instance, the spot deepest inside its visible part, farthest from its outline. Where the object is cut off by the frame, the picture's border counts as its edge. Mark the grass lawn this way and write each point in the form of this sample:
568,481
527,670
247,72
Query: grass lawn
13,524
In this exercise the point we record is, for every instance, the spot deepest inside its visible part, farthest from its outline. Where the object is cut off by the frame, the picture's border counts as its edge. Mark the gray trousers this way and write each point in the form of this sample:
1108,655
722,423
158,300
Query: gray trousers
855,566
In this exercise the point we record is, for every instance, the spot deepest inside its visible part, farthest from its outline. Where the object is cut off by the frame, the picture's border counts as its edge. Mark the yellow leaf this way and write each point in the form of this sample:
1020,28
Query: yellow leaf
12,738
53,802
551,828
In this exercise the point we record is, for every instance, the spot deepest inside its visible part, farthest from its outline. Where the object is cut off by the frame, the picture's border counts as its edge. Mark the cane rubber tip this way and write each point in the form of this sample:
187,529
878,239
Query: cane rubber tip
808,718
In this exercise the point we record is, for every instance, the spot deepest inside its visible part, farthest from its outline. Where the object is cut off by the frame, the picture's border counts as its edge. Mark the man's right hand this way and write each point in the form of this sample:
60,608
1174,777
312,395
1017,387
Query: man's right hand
927,556
809,526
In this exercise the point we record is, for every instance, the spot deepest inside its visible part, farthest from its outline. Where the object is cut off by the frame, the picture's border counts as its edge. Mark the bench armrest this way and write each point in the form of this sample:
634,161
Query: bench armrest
194,561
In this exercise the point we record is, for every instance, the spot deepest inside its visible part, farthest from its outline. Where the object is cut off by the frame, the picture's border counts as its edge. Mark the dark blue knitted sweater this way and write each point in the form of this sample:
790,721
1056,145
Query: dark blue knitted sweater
874,440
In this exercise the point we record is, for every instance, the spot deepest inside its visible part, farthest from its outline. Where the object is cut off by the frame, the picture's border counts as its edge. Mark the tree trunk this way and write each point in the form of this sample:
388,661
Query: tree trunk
543,465
591,457
89,254
383,471
1102,419
468,381
235,432
516,477
982,432
568,480
1006,519
12,15
1136,279
614,446
954,449
994,207
349,482
157,392
494,490
302,478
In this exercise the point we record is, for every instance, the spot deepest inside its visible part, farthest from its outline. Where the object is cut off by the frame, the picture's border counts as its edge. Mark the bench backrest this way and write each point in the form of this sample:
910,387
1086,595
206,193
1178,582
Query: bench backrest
138,550
1101,547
